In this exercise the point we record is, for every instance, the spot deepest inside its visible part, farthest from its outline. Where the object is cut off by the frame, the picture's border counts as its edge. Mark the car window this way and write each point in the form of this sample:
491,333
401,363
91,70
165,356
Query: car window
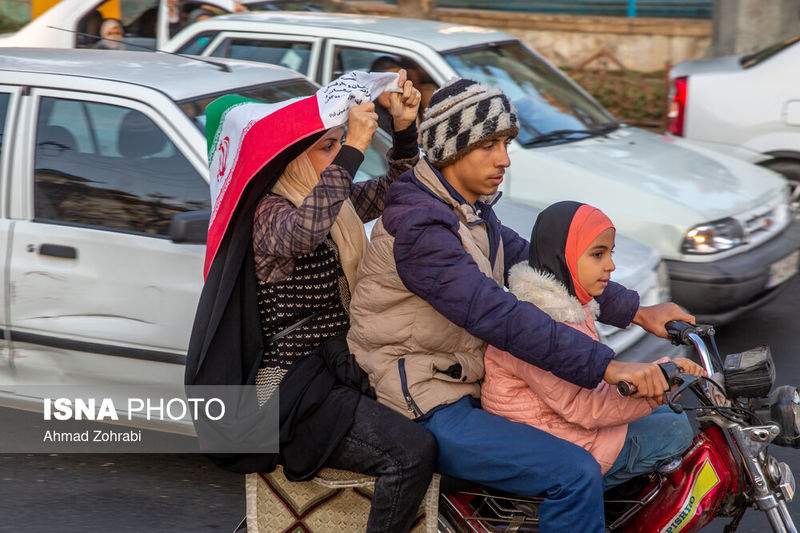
110,167
374,164
545,100
138,18
4,99
292,55
346,59
198,43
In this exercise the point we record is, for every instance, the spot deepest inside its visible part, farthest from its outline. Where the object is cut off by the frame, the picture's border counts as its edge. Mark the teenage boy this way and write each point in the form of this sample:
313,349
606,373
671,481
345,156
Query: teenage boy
430,297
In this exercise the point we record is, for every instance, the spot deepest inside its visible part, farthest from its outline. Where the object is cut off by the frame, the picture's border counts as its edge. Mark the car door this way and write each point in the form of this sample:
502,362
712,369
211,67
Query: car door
296,52
9,100
99,295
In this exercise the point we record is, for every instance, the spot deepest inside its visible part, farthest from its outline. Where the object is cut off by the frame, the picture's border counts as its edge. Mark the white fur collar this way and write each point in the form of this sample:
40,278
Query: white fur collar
548,294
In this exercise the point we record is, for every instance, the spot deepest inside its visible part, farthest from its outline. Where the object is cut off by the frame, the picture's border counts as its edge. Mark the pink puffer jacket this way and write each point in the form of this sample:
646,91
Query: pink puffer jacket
596,419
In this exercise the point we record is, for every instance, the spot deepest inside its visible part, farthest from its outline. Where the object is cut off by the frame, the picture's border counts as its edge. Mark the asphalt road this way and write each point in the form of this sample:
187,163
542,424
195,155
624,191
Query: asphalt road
186,493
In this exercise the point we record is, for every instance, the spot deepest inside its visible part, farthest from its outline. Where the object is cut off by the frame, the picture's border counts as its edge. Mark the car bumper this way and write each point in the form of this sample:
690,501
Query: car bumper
719,291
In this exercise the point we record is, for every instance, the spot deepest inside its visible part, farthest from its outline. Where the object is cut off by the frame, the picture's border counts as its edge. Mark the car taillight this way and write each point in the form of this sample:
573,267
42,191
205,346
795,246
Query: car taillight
677,106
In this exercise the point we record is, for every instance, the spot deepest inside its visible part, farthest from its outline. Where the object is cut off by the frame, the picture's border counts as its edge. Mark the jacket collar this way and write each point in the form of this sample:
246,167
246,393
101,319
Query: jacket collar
431,180
548,294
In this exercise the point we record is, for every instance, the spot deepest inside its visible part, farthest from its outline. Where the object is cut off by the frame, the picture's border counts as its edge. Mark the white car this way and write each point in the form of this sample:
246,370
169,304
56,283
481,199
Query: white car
100,152
743,105
147,24
722,225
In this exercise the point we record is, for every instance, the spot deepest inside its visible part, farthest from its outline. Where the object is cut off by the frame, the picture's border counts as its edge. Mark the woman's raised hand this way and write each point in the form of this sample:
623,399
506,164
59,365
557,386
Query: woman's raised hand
404,106
362,121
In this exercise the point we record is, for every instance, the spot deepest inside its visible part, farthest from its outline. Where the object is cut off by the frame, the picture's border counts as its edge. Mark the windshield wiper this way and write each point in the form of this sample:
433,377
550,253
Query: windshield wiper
558,135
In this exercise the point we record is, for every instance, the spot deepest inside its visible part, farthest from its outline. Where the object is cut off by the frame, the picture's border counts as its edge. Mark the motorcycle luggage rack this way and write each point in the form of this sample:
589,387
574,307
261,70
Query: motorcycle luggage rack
636,505
496,512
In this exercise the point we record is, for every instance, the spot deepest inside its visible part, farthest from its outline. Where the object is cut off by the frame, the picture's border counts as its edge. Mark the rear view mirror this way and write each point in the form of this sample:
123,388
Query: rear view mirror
190,227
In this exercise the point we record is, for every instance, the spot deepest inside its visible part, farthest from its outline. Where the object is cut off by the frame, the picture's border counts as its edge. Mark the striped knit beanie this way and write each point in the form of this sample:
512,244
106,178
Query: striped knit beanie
462,114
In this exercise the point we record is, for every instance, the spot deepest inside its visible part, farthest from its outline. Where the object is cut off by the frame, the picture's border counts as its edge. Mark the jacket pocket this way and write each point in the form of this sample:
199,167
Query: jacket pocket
411,405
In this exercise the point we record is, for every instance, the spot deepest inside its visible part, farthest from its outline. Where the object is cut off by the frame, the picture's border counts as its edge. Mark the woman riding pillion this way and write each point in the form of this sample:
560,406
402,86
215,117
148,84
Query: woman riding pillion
285,241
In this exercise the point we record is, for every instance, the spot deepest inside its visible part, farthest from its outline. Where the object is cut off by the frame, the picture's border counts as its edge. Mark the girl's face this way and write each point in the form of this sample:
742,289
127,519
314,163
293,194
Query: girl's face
595,264
323,152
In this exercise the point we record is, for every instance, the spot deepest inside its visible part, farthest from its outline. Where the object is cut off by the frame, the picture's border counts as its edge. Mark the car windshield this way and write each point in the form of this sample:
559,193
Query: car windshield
755,58
550,106
195,107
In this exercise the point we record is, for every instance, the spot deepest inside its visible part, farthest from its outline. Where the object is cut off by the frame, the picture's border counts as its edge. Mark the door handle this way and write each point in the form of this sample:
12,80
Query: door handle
57,250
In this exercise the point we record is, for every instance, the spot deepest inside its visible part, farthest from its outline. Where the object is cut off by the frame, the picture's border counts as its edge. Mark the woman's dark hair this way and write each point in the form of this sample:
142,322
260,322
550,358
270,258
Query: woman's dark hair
384,64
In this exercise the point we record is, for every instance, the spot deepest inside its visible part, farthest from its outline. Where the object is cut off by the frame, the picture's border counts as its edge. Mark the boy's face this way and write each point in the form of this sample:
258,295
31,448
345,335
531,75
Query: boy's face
481,171
595,264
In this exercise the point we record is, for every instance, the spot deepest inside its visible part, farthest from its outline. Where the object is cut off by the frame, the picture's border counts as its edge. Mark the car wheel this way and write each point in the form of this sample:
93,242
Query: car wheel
791,171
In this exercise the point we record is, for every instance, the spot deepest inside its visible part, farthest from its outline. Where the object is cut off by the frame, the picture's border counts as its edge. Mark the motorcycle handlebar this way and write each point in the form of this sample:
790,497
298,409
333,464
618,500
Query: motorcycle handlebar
678,331
671,371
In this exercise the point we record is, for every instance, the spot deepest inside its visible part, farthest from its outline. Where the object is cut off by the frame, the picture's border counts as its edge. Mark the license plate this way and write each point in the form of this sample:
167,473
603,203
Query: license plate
783,269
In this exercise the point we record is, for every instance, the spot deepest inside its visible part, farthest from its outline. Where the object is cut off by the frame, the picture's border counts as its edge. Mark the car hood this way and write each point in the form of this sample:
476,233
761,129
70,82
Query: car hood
653,187
700,66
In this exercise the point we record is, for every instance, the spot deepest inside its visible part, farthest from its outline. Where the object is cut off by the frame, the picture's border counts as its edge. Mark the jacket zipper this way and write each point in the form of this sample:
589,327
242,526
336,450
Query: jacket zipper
410,403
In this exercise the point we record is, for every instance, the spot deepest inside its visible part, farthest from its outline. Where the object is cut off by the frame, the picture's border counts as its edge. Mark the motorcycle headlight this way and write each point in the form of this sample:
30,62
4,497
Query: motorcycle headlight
713,237
785,411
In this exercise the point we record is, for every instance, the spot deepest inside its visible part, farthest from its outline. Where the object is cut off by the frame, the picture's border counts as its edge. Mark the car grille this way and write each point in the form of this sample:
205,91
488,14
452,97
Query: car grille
765,221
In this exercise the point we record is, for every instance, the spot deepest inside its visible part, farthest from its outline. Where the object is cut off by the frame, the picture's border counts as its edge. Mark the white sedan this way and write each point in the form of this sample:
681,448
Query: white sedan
744,105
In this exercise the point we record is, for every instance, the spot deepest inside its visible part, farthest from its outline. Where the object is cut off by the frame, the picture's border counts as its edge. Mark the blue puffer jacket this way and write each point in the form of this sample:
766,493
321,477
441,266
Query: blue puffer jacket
422,227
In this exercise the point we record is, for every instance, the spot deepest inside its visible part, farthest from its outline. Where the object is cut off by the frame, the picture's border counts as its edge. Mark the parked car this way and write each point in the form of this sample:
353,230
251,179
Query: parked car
100,151
723,225
746,105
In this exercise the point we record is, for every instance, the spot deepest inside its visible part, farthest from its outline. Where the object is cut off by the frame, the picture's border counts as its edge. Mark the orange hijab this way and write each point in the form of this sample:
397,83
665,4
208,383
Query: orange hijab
561,234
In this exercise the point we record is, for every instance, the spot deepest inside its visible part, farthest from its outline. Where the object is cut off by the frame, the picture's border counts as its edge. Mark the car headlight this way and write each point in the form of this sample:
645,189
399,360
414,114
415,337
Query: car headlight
713,237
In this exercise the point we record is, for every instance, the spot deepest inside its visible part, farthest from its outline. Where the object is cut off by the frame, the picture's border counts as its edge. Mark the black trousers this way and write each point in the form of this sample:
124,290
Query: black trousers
399,452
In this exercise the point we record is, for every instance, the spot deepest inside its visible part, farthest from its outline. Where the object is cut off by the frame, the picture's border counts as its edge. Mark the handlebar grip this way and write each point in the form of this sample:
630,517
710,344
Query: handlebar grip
678,331
671,373
625,388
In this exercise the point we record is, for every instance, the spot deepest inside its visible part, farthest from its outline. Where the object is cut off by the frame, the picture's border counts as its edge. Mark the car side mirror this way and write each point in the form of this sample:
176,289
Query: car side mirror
190,227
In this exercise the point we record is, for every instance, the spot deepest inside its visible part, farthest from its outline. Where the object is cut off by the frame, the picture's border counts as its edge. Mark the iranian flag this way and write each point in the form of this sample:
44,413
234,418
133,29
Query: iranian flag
245,135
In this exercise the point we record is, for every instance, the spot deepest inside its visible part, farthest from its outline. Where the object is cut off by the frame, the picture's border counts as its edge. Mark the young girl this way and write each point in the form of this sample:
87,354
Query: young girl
569,264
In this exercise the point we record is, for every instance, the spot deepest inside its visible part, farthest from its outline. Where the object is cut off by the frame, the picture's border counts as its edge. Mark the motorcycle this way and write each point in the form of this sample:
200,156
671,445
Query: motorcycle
726,469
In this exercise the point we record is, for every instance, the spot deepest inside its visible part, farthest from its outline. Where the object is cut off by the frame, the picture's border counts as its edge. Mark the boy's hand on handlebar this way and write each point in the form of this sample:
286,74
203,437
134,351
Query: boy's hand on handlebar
646,377
362,122
688,366
653,317
404,106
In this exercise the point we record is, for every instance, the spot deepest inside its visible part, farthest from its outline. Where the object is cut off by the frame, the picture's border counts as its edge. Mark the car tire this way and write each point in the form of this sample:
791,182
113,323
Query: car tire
790,169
